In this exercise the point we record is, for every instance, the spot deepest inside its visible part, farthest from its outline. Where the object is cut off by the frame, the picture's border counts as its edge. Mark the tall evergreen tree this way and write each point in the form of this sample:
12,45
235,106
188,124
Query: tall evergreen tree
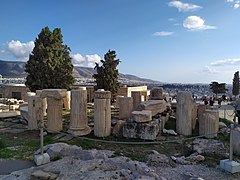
49,64
235,90
107,74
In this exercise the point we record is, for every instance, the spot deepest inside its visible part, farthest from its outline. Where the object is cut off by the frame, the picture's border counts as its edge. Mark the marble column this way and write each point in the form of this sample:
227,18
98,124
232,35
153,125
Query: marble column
117,101
236,140
136,95
78,113
209,123
102,113
29,94
201,110
54,110
194,115
66,100
35,114
44,102
184,113
125,107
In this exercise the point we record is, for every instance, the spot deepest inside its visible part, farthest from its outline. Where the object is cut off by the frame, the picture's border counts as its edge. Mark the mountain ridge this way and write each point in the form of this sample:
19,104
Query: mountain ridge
15,69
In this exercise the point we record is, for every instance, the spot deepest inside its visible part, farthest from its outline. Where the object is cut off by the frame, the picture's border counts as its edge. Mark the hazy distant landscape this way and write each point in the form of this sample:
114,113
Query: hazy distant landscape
15,69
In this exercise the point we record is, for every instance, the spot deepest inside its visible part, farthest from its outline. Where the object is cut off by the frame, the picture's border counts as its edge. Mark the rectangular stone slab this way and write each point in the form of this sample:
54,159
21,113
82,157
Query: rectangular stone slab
147,131
156,106
54,93
142,116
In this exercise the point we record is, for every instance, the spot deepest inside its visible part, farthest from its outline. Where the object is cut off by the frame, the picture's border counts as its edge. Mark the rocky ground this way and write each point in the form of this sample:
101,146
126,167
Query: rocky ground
72,162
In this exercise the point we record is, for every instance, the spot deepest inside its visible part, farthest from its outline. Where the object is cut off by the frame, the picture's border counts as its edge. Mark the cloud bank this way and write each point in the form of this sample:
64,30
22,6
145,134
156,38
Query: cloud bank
222,66
226,62
184,6
196,23
234,3
18,49
21,51
86,61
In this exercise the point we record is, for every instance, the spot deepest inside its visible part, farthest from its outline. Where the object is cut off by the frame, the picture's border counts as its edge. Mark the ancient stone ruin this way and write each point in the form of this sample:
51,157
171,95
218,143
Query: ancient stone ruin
137,117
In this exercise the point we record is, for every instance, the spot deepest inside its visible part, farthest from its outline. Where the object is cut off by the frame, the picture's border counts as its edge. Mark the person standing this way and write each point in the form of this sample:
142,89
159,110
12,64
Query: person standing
211,101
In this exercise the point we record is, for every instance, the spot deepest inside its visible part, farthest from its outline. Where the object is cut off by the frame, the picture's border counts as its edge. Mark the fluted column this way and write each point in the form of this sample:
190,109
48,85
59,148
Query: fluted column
184,113
209,123
35,114
102,113
78,114
54,114
54,110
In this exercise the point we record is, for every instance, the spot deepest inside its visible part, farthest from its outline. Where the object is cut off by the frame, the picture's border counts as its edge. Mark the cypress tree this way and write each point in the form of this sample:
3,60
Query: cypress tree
49,64
235,90
107,74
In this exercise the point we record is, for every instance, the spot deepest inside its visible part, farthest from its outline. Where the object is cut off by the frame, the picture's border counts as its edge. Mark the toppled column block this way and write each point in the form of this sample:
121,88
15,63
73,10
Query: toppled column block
163,120
142,116
146,131
155,106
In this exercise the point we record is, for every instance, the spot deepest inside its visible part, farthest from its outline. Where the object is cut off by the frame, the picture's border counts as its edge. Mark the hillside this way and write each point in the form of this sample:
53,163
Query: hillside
12,69
15,69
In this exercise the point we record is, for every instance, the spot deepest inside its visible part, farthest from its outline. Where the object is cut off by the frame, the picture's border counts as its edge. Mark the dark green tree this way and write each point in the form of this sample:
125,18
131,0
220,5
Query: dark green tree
107,74
218,87
235,90
49,64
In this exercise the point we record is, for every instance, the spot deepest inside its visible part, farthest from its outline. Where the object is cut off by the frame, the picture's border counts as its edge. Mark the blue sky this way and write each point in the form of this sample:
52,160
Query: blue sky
187,41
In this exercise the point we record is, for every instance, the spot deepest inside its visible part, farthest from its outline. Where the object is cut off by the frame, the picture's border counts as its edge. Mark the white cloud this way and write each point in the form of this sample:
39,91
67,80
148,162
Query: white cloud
236,6
163,33
194,23
18,49
226,62
222,66
78,58
184,6
88,60
234,3
210,70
